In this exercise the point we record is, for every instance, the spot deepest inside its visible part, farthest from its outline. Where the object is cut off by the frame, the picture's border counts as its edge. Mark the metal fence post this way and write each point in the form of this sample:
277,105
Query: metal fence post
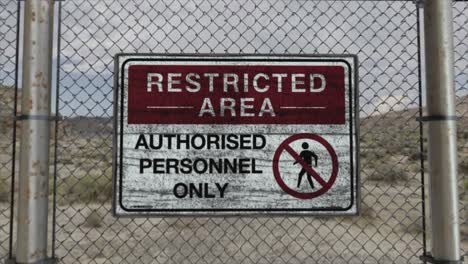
442,131
35,129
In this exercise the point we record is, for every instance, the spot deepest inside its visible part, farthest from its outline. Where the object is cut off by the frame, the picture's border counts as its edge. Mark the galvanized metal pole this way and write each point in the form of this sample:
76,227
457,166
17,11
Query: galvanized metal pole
442,130
35,129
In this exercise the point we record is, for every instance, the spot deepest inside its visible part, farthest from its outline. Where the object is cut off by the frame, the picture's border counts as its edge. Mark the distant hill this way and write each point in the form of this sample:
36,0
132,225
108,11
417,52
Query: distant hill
7,99
7,95
402,125
395,121
87,126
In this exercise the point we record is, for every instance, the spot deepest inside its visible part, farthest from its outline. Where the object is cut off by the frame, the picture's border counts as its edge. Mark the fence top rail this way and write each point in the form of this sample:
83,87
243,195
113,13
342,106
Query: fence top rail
416,1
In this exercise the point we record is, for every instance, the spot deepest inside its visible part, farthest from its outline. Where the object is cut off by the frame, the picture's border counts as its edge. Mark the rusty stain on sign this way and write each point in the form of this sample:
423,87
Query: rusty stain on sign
235,135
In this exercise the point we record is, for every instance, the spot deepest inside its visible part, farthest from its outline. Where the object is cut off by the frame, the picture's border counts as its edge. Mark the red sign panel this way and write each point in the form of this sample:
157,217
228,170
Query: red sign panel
236,94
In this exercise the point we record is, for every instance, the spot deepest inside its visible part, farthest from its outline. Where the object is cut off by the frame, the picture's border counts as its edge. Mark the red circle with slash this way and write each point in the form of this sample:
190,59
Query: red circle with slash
326,185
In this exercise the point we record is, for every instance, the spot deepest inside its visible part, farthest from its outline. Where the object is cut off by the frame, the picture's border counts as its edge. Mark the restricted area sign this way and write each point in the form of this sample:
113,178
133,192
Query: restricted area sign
235,135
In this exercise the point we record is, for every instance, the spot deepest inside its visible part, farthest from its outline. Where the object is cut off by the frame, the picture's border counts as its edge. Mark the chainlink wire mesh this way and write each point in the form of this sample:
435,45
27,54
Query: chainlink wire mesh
461,85
384,35
8,38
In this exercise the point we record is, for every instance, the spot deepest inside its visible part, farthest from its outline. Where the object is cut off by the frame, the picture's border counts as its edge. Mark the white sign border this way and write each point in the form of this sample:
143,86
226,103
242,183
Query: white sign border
119,211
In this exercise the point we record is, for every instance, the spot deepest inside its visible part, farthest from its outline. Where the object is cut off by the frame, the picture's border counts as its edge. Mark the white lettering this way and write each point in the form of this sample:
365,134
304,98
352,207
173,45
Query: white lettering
255,83
245,106
196,85
246,82
233,82
280,77
323,83
211,77
207,107
267,108
151,82
171,82
295,82
228,104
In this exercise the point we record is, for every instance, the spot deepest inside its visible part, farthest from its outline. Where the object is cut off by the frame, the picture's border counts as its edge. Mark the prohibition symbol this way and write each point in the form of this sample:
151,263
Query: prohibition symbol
325,185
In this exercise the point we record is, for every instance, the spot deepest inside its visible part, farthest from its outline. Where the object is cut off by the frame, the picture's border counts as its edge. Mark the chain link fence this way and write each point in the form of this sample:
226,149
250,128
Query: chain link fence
384,35
461,86
8,76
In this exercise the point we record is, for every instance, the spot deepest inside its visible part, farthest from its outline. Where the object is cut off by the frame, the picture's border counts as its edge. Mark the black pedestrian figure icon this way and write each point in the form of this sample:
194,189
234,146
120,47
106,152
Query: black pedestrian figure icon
306,156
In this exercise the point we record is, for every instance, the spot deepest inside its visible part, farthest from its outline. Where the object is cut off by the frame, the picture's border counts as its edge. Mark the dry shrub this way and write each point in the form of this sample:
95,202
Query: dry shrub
4,192
389,173
94,219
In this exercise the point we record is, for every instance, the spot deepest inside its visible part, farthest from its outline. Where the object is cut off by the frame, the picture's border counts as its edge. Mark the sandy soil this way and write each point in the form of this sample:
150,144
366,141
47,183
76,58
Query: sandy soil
388,232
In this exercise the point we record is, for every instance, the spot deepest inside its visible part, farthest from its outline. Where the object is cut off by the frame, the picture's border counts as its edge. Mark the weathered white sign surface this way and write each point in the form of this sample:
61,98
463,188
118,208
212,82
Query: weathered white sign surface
235,135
